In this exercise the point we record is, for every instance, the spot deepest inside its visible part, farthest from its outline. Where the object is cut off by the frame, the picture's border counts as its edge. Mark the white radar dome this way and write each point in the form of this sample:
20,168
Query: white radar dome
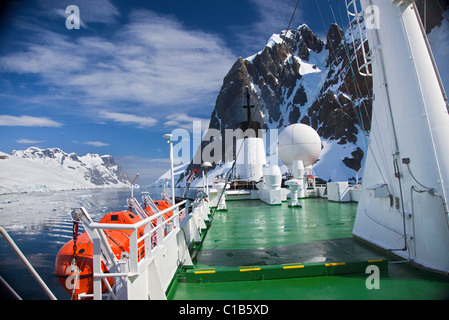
299,142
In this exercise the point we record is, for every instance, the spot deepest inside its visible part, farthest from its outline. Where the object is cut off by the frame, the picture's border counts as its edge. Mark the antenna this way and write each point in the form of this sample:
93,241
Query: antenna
132,185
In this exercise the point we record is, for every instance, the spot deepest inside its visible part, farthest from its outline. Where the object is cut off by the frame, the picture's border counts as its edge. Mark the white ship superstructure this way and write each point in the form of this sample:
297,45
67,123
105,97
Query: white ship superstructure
403,206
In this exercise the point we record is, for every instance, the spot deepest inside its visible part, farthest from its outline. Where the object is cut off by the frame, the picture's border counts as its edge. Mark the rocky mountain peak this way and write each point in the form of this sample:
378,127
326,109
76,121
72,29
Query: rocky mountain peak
297,77
335,39
302,40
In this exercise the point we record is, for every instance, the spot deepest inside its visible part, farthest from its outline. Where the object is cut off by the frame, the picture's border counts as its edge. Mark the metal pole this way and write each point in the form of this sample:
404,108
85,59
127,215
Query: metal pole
132,186
204,183
10,289
168,137
207,184
27,264
172,174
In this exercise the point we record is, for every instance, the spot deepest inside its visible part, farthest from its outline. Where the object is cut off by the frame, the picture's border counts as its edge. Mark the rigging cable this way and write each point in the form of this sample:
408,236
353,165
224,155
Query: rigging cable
228,177
332,51
291,19
384,161
359,115
367,69
356,84
353,76
360,111
229,173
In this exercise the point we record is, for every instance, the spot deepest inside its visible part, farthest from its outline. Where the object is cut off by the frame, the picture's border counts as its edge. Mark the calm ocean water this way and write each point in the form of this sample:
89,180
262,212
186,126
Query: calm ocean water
40,225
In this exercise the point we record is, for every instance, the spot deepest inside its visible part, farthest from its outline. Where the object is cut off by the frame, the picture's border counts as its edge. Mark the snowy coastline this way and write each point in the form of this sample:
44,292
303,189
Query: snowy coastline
48,170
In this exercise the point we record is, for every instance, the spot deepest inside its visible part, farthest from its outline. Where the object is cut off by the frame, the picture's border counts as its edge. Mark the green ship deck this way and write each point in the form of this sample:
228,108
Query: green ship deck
254,251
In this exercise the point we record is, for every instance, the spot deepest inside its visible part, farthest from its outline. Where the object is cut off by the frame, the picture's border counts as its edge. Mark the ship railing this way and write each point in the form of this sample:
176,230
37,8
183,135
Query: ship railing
152,242
27,264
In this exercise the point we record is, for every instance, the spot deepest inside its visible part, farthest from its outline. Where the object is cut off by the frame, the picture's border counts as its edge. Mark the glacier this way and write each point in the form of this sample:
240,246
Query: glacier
52,169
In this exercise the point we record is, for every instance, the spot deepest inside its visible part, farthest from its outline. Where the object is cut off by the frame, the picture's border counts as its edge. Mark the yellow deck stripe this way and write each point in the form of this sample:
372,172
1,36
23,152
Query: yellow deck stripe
204,272
335,264
294,267
285,267
250,269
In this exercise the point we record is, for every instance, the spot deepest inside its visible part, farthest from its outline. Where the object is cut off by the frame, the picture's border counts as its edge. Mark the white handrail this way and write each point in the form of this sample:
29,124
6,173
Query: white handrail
10,288
134,263
137,225
27,264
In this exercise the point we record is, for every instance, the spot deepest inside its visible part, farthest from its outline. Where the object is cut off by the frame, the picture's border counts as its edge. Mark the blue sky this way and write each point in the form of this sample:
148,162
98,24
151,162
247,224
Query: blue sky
133,71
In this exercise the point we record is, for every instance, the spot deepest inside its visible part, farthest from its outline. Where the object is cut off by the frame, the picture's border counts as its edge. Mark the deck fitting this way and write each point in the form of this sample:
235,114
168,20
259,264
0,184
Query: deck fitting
286,271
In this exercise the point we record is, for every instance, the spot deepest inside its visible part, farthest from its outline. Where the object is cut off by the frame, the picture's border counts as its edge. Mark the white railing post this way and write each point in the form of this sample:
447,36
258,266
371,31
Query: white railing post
148,244
96,248
176,213
133,252
159,231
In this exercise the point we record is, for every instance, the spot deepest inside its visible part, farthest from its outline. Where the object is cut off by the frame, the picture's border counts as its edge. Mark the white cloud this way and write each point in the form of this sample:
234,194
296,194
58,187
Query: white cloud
27,121
182,120
29,141
141,121
153,62
43,60
96,143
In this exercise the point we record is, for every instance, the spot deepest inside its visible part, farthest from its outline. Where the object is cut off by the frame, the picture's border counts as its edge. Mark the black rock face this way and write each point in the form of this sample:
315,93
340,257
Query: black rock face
282,79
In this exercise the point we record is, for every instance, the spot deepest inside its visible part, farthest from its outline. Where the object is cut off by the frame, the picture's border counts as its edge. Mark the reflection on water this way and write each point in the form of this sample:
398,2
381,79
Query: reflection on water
40,223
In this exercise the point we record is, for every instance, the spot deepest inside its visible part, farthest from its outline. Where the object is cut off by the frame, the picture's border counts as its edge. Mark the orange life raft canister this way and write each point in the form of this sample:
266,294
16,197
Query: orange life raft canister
74,262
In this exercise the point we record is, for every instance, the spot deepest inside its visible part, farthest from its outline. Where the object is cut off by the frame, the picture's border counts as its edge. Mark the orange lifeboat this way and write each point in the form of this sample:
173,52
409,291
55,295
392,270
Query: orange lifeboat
161,205
74,262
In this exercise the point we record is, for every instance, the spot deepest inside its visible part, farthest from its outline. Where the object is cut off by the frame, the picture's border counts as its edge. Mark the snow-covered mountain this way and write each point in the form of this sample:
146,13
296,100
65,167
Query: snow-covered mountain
298,77
52,169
